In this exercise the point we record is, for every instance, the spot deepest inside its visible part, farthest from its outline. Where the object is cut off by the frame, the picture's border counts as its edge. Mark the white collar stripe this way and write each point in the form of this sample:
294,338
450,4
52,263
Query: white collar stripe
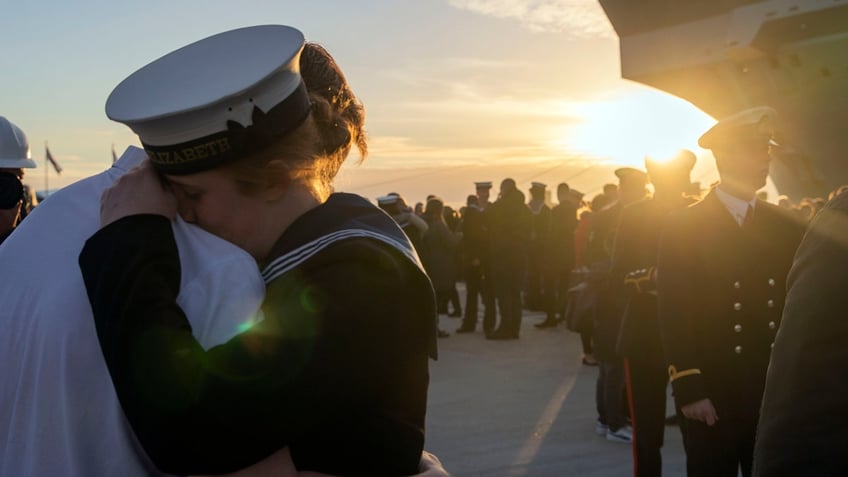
287,262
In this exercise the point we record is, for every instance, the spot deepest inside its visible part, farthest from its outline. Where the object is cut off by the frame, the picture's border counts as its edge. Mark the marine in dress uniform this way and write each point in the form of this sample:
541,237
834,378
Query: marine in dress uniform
337,368
722,269
474,249
536,294
634,261
804,416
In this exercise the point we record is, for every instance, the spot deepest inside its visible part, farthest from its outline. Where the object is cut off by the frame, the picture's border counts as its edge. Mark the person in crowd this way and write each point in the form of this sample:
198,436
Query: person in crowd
15,156
609,307
509,224
438,249
800,430
610,191
561,256
412,225
721,273
474,246
336,371
57,404
482,190
585,212
536,292
634,261
452,219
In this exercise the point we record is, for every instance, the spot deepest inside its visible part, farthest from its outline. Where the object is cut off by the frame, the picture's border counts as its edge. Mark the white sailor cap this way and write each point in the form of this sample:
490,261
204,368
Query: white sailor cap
215,100
483,185
538,185
387,199
751,123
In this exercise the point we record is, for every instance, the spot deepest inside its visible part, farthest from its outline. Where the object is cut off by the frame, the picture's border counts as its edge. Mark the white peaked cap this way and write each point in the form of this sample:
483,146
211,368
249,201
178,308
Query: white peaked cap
191,107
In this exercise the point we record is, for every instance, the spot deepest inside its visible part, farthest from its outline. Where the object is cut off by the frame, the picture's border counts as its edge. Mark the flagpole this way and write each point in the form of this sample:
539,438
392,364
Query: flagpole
46,188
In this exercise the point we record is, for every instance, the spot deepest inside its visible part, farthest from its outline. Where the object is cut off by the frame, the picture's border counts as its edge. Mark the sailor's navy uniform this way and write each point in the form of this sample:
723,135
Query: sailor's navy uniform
336,370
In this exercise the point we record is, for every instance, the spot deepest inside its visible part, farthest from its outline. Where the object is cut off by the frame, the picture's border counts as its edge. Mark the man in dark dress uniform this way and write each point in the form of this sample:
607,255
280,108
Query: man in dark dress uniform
536,293
804,412
609,306
634,261
561,255
474,247
721,271
509,222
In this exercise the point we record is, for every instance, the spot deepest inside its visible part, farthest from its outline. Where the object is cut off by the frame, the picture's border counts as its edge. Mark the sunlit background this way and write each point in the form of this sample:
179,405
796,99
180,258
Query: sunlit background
456,90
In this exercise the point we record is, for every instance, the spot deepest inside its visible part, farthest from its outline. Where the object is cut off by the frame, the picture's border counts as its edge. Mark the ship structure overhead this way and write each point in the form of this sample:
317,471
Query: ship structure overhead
724,56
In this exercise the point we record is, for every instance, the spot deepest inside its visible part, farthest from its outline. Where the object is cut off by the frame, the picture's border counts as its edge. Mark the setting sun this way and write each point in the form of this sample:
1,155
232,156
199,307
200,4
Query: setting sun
639,122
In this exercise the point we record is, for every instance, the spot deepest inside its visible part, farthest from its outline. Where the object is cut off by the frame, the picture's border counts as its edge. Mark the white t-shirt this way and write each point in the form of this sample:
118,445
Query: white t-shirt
59,414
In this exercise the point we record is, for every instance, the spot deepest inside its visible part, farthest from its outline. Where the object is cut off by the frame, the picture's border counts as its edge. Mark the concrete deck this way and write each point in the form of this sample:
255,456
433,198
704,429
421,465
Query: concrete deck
523,408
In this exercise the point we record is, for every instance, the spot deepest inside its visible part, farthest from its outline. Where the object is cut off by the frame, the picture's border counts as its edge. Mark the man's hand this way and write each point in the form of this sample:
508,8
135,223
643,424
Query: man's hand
139,191
702,410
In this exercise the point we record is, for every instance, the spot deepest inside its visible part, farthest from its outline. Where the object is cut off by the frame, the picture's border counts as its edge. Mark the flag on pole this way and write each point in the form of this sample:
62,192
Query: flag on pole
114,154
52,161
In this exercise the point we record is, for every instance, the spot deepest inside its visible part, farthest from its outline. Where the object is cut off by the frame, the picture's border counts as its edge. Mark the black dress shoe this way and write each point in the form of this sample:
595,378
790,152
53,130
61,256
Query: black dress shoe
463,329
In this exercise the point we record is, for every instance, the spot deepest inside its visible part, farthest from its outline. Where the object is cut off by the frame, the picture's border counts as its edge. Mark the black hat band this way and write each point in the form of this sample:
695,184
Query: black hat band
236,141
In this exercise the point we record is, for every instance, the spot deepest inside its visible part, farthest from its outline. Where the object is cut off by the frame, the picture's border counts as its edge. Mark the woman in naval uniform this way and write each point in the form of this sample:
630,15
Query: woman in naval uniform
335,369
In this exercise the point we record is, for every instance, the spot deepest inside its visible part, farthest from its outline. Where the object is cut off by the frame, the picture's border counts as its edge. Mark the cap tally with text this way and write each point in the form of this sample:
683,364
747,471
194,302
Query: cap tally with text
14,147
538,185
215,100
754,122
483,185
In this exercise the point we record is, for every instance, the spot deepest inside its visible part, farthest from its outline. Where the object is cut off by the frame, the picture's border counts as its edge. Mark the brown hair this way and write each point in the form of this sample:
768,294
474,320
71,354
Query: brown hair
315,150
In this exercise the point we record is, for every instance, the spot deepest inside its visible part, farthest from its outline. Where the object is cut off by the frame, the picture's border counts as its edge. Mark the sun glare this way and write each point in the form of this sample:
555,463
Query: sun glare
626,128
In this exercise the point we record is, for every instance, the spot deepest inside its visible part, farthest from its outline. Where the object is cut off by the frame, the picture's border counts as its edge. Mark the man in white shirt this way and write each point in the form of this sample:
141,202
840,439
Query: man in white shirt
59,414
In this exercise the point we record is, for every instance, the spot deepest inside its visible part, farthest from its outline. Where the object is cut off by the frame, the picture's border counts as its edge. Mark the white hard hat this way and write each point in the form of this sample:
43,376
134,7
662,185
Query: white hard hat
14,147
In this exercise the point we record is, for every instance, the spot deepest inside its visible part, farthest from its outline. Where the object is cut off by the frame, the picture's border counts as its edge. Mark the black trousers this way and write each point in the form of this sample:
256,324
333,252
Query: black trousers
509,275
610,394
647,380
720,450
478,283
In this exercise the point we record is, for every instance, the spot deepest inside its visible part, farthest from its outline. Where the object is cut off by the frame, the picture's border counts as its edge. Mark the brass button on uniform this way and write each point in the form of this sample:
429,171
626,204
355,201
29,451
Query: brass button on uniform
771,282
738,350
770,303
772,325
737,306
737,285
737,328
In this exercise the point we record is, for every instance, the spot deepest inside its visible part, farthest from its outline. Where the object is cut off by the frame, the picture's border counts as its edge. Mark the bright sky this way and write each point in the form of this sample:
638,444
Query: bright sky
455,90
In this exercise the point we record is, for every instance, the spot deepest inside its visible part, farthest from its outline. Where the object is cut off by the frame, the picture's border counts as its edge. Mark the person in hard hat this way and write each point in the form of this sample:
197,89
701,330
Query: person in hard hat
14,158
336,371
